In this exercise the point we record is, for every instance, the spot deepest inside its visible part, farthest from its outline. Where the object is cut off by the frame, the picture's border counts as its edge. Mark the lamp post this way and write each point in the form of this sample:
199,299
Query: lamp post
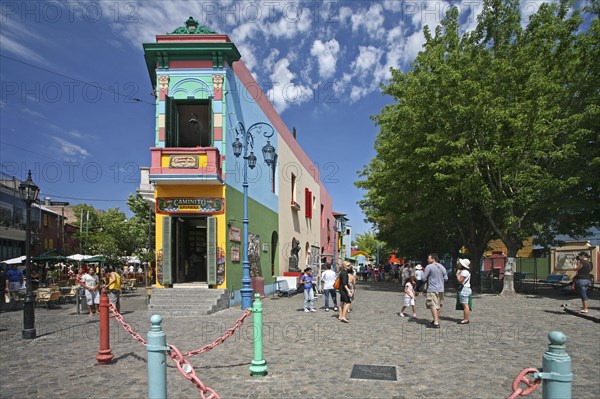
335,245
29,193
268,151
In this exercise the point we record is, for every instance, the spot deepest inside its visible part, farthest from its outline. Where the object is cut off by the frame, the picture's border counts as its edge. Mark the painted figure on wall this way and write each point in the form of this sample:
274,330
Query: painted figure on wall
254,255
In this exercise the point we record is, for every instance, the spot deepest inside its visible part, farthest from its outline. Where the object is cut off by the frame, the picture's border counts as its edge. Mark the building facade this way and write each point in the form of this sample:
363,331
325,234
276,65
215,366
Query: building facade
207,102
50,230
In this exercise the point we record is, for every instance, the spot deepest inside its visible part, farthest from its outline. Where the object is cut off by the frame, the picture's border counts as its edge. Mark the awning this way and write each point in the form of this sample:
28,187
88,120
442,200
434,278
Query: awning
78,257
15,261
95,259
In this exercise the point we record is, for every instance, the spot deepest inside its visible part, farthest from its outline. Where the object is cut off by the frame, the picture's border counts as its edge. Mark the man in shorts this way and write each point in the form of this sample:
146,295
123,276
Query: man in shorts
15,281
114,288
435,274
90,282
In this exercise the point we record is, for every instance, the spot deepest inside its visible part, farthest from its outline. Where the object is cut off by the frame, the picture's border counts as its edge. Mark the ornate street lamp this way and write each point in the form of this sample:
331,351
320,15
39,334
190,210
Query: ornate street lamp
29,193
268,150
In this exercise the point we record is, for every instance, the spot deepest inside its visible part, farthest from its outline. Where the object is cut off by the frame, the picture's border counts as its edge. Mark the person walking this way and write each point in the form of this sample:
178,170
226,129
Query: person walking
114,288
3,288
328,278
582,279
419,279
352,285
409,296
435,274
309,295
463,275
15,281
345,292
90,282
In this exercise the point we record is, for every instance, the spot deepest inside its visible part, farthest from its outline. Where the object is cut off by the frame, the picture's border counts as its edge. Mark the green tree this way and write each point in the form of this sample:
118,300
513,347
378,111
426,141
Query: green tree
367,243
490,133
142,226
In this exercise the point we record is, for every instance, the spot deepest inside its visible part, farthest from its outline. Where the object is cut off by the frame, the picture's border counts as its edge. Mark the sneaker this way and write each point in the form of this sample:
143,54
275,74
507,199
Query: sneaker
306,311
335,308
414,316
401,315
313,310
327,309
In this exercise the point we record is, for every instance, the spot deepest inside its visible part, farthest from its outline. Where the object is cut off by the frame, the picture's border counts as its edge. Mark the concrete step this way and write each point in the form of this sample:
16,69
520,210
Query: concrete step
188,301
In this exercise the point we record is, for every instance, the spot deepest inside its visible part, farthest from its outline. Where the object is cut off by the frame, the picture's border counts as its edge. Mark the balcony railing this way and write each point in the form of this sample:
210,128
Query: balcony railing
198,165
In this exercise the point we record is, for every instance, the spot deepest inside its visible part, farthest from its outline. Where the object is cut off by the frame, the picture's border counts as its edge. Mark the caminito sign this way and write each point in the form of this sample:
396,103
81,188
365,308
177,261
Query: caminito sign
205,206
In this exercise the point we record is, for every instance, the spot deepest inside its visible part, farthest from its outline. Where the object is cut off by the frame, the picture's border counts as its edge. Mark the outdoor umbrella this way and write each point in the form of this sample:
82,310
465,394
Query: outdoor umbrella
15,261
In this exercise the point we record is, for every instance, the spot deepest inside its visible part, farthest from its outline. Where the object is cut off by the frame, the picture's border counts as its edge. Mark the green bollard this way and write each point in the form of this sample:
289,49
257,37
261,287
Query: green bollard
156,346
556,373
259,365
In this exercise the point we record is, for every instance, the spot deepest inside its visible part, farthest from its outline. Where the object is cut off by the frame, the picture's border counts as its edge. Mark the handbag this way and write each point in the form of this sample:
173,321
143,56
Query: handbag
336,284
459,305
460,287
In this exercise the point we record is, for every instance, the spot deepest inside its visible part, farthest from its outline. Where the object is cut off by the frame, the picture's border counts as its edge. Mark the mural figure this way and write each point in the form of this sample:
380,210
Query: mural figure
254,255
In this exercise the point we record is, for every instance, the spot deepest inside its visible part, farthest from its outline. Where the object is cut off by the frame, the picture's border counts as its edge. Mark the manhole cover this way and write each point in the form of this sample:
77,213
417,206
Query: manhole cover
373,372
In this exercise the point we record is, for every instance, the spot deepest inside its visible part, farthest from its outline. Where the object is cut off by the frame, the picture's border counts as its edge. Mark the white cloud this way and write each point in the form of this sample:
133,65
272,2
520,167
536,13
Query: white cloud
290,25
368,57
13,47
70,150
371,19
285,91
392,5
32,113
326,54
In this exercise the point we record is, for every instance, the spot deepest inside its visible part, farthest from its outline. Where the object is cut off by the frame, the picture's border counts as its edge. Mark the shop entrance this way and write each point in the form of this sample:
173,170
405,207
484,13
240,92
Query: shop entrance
189,246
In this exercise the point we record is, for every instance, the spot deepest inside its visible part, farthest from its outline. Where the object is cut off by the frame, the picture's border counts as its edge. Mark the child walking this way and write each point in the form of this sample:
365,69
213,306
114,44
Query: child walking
309,295
409,296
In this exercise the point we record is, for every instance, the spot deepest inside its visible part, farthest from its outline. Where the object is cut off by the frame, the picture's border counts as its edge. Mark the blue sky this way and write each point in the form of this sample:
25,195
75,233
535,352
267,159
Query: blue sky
76,108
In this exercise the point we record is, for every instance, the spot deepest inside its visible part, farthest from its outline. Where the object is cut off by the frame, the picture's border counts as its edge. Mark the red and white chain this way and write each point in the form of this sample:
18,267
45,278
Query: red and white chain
184,367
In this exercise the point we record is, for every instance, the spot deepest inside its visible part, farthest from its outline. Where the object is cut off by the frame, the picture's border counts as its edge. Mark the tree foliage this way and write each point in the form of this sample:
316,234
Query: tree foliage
367,243
111,234
492,134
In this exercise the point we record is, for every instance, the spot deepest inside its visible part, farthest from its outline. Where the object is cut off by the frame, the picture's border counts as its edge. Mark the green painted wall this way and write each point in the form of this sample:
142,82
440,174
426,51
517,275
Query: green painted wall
262,221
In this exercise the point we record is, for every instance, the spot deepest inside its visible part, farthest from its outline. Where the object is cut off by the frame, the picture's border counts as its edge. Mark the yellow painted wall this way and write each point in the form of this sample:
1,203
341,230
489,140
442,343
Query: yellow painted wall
498,245
192,191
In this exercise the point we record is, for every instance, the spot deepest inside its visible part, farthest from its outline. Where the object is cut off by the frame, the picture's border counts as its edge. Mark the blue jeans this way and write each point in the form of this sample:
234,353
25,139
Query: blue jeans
582,286
309,297
331,292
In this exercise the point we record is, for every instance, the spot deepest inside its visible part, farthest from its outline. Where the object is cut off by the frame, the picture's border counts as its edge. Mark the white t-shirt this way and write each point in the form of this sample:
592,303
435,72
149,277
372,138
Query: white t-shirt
419,274
467,275
90,281
328,278
409,292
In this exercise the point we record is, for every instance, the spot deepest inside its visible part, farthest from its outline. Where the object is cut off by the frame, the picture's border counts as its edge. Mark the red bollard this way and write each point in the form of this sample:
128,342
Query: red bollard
104,355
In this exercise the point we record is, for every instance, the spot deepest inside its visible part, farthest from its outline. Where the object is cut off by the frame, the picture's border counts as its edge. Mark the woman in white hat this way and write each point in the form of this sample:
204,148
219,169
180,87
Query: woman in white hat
464,278
419,277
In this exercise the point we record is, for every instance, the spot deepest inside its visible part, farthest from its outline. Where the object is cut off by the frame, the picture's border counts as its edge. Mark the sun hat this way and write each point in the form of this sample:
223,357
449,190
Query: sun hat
464,263
419,267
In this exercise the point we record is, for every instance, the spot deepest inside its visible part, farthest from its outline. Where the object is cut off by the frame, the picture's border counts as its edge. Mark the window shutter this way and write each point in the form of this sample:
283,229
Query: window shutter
171,122
211,250
166,261
307,202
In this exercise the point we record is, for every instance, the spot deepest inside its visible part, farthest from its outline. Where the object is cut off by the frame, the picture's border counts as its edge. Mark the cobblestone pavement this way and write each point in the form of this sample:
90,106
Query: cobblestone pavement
309,355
